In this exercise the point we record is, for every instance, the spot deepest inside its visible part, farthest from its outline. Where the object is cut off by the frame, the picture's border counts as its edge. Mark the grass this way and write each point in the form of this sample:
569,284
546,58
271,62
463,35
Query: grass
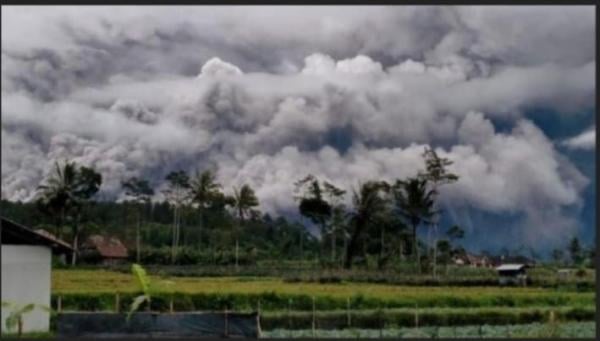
98,281
277,294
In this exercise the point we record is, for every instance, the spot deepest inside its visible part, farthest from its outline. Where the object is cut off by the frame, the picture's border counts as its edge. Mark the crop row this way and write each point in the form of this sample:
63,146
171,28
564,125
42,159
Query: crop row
273,301
383,319
536,330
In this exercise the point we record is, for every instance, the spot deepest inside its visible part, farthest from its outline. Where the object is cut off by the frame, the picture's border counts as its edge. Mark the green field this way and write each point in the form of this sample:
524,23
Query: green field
99,281
337,306
243,293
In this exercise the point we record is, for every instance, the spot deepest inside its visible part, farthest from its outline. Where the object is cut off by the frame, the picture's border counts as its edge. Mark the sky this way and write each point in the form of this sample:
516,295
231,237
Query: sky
265,95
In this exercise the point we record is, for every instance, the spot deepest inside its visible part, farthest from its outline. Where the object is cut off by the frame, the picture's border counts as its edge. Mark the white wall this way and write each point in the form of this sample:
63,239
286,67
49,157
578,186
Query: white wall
26,279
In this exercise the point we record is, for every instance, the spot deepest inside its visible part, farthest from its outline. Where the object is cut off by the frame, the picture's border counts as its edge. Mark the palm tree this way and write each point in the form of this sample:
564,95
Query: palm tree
369,203
311,202
204,189
141,192
68,189
177,192
244,201
437,174
335,196
57,193
414,202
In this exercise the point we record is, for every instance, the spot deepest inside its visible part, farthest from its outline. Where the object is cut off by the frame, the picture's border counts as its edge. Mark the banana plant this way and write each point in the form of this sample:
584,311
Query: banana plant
147,288
14,320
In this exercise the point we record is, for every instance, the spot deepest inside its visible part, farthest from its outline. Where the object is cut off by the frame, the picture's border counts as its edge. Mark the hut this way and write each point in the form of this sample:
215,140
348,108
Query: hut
104,250
26,272
472,260
512,274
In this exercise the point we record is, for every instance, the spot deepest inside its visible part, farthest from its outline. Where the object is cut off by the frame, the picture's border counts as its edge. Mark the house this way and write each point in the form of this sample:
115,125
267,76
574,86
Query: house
26,272
512,274
472,260
103,249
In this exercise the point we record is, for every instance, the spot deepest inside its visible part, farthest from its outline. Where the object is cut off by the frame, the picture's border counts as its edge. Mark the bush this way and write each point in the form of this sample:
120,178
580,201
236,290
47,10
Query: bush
272,301
406,318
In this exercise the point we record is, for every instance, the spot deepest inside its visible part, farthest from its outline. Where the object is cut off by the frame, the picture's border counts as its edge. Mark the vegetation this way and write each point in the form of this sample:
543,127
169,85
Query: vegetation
14,319
530,330
243,293
206,221
65,196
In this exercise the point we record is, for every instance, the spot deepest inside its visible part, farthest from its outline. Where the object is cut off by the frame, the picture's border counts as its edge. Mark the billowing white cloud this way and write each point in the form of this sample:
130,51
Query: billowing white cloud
348,94
215,67
585,140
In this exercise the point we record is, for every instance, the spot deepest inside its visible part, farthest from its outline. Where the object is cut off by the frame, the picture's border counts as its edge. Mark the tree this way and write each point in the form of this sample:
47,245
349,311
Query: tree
455,232
575,250
69,189
445,252
312,205
204,191
141,193
56,196
558,256
177,194
335,196
414,202
369,203
437,174
244,201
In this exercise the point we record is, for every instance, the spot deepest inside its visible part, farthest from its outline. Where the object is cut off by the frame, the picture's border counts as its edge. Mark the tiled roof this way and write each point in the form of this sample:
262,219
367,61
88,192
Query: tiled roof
108,247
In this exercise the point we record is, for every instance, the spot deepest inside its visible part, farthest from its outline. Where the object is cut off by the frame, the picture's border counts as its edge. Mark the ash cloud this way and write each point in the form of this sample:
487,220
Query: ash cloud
269,94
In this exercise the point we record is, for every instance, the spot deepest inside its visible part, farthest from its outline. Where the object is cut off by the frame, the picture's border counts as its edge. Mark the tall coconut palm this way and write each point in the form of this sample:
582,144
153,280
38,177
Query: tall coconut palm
244,201
335,196
204,189
141,192
67,190
369,203
437,174
177,193
57,193
312,205
414,202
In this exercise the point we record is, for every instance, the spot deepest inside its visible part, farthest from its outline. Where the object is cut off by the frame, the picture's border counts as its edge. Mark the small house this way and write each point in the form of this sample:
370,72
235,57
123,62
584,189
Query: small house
26,272
104,250
512,274
472,260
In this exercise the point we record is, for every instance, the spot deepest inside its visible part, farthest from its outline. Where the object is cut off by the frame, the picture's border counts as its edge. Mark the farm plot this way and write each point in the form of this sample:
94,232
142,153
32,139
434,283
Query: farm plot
531,330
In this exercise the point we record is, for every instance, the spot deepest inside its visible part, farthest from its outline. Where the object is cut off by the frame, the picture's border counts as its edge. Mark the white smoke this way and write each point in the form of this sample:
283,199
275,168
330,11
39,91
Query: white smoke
328,91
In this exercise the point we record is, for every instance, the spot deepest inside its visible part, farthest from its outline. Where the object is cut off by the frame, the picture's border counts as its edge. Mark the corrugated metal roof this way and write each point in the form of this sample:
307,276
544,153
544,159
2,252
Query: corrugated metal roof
13,233
510,267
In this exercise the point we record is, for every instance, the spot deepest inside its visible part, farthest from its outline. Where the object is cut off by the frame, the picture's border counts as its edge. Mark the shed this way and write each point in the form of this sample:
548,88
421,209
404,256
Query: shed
26,271
512,274
104,249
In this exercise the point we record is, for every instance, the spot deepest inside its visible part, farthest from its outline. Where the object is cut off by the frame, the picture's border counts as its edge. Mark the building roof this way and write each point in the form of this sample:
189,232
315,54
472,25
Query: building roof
511,267
16,234
107,247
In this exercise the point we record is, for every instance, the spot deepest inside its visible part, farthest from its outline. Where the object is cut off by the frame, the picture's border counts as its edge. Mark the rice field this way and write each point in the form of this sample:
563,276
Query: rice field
101,281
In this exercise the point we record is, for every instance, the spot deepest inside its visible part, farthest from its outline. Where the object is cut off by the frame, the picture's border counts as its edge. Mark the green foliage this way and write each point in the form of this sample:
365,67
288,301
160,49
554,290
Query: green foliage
375,319
536,330
147,287
275,301
14,320
141,278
